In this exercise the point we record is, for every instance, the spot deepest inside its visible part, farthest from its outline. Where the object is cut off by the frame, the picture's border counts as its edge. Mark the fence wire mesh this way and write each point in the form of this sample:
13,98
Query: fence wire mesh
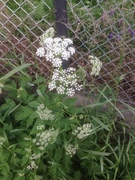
105,29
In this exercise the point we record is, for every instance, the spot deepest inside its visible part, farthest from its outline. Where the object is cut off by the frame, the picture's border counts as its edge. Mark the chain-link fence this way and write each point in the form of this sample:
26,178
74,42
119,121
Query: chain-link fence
105,29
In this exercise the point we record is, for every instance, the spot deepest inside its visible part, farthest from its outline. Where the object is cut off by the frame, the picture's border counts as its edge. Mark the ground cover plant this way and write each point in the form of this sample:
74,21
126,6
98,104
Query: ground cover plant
43,135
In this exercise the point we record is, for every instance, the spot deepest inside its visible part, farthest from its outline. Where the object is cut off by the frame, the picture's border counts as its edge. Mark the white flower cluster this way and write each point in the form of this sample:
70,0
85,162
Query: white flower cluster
45,113
40,52
45,138
1,86
35,156
21,174
2,140
55,49
19,92
58,49
32,166
97,65
83,132
71,149
65,81
40,127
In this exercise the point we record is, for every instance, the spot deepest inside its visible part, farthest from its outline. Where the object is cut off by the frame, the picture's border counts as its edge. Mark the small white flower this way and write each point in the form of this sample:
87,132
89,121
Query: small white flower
68,41
97,65
32,165
44,113
2,140
65,55
48,43
19,92
40,52
40,127
65,81
48,33
1,86
83,132
60,90
35,156
71,149
57,62
71,50
46,137
55,49
30,84
70,92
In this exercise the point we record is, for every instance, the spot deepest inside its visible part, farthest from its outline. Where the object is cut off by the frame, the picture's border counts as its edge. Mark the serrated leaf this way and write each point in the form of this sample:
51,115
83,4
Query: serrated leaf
58,154
29,122
34,104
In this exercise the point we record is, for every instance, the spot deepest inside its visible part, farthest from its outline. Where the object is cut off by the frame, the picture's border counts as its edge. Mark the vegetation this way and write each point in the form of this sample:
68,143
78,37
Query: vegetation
43,134
29,114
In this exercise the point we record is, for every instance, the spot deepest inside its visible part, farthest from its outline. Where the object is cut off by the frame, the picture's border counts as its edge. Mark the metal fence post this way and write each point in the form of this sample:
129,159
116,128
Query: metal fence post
61,22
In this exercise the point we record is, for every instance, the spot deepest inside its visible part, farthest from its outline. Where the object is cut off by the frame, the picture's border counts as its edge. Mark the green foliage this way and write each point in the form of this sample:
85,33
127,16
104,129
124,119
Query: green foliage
38,10
98,23
102,154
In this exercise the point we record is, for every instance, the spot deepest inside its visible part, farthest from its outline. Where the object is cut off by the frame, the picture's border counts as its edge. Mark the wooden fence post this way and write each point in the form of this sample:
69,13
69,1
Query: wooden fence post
61,22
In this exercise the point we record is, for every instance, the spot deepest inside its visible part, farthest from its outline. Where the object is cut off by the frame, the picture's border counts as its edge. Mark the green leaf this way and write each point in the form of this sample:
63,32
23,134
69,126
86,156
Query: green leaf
34,104
15,70
17,130
40,94
58,154
77,175
24,160
101,164
9,104
14,109
8,107
29,122
98,153
5,169
24,81
101,123
22,94
23,113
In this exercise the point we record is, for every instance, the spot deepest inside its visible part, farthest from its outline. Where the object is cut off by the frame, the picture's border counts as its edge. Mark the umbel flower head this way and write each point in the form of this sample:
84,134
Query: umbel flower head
65,81
71,149
83,132
44,113
96,65
46,137
56,50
